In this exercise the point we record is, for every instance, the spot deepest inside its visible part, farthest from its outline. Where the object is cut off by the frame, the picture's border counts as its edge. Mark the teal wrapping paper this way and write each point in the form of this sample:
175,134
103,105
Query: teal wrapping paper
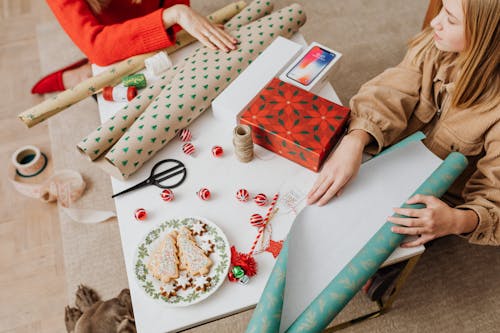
324,308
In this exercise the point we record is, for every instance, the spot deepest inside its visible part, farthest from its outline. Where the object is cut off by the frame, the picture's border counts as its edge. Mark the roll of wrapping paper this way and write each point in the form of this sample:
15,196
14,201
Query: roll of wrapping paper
203,77
113,75
101,139
352,277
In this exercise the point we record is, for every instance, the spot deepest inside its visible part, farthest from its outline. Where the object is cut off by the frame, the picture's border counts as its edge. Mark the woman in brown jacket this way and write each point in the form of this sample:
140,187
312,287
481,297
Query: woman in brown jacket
448,86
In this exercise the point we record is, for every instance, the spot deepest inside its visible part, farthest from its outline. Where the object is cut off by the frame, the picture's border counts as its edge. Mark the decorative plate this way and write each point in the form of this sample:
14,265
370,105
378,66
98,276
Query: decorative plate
212,240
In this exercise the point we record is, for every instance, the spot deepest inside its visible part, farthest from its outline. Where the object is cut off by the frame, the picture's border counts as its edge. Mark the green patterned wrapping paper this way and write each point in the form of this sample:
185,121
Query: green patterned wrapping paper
204,75
352,277
106,135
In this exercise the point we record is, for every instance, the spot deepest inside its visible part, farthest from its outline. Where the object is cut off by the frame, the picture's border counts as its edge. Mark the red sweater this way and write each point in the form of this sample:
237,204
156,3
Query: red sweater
120,31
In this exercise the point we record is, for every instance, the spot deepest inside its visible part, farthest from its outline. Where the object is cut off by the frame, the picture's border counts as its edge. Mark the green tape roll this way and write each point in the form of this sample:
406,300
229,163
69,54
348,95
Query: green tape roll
136,80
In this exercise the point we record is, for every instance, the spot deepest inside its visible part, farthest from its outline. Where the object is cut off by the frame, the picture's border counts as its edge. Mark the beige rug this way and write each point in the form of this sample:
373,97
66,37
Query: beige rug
455,286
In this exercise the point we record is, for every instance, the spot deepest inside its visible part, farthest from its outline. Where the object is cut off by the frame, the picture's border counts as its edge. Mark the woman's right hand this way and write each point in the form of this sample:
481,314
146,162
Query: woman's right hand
342,166
198,26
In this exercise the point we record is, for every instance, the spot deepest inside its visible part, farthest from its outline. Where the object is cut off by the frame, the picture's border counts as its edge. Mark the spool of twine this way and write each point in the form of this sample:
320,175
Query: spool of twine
243,144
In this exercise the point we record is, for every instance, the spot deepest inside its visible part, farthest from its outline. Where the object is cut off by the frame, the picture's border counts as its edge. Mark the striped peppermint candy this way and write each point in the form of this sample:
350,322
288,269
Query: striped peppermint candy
242,195
260,199
188,148
140,214
217,151
256,220
167,195
185,135
203,194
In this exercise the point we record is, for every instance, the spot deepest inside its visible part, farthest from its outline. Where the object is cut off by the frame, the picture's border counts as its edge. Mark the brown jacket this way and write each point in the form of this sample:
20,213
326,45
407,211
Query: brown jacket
416,95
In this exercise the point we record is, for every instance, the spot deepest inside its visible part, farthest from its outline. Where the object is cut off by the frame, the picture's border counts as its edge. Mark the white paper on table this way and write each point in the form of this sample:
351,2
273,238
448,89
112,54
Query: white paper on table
323,240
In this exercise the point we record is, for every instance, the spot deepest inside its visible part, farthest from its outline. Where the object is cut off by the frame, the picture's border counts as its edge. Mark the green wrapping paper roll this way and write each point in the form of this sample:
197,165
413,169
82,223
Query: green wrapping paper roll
348,282
105,136
102,138
203,77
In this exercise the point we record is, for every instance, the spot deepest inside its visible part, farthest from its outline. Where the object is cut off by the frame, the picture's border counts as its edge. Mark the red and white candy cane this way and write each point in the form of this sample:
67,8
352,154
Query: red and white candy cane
167,195
203,194
266,221
217,151
188,148
140,214
242,195
260,199
185,135
256,220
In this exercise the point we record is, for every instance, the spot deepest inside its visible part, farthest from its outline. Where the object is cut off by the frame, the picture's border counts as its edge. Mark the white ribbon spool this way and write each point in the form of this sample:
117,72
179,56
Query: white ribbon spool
158,63
28,161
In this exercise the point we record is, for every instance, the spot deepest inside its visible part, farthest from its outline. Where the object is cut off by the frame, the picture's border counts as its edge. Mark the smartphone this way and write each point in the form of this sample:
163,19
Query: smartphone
311,65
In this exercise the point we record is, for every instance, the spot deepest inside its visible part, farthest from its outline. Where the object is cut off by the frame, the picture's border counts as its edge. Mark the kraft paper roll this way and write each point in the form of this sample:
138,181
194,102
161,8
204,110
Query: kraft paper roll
106,135
351,278
113,75
204,75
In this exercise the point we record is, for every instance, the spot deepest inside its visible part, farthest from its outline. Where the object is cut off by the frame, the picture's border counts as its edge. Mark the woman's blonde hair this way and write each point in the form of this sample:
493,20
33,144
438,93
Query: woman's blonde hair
478,79
98,5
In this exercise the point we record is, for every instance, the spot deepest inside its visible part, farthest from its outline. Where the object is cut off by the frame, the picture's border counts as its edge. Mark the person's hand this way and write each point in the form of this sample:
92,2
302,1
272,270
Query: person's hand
340,168
211,35
436,220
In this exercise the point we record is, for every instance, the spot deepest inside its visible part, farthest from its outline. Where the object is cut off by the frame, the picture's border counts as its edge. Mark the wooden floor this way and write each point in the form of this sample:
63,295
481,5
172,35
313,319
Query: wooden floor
32,284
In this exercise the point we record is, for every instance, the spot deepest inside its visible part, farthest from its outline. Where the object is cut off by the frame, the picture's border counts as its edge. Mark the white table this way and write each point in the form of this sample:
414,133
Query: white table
223,176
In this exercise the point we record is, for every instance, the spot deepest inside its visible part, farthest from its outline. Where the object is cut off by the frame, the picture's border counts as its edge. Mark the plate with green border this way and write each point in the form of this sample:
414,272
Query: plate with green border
220,257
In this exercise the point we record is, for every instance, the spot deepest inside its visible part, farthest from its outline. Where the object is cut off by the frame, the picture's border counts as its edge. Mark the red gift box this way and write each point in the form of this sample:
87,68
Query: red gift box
295,123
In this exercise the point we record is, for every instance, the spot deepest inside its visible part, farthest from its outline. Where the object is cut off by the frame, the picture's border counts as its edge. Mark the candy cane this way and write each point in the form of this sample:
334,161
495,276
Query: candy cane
266,220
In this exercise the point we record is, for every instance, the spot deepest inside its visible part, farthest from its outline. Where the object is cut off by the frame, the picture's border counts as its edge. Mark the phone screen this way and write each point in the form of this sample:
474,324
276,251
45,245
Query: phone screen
311,65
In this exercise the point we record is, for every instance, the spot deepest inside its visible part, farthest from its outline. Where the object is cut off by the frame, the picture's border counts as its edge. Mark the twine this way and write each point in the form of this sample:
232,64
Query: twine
243,144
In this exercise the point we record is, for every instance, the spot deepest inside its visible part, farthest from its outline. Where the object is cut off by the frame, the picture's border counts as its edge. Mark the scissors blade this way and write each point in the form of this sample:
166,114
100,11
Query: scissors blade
136,186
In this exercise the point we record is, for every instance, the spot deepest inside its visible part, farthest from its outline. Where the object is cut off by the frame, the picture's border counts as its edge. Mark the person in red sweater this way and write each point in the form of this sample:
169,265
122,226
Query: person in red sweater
107,31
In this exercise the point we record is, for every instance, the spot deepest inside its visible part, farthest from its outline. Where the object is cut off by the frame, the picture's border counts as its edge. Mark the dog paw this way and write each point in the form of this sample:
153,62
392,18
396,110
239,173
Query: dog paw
85,297
71,316
127,325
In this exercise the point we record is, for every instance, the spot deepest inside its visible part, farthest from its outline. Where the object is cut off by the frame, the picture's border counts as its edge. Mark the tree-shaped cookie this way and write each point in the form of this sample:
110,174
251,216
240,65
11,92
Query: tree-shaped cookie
163,261
192,257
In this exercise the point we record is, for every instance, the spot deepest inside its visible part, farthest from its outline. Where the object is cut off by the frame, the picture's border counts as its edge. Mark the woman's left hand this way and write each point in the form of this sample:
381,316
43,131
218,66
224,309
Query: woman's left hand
437,219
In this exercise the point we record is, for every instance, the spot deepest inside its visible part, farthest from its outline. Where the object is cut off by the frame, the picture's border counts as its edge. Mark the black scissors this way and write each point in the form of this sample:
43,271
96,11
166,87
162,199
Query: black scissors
159,178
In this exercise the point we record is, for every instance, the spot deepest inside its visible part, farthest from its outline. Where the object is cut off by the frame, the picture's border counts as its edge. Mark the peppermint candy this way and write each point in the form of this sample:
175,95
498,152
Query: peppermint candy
188,148
260,199
167,195
185,135
140,214
217,151
242,195
256,220
203,194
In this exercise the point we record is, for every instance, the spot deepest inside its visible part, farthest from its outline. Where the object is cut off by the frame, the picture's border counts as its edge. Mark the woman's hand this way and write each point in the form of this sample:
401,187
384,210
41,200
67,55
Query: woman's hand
437,219
211,35
340,168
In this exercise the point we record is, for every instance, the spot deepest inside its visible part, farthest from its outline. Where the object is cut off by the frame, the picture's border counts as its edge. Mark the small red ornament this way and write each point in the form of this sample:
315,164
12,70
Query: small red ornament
203,194
188,148
140,214
242,195
185,135
245,261
167,195
217,151
256,220
230,276
260,199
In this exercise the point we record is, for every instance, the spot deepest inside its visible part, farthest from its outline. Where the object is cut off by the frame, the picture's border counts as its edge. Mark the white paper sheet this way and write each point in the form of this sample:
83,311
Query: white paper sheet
324,239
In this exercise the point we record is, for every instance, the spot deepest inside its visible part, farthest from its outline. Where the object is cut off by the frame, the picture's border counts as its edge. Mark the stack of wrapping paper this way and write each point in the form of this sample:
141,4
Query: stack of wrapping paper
329,255
152,119
114,74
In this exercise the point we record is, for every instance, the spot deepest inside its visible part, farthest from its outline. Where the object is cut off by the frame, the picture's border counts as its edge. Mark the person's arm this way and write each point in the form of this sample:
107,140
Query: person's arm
482,192
106,44
379,113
